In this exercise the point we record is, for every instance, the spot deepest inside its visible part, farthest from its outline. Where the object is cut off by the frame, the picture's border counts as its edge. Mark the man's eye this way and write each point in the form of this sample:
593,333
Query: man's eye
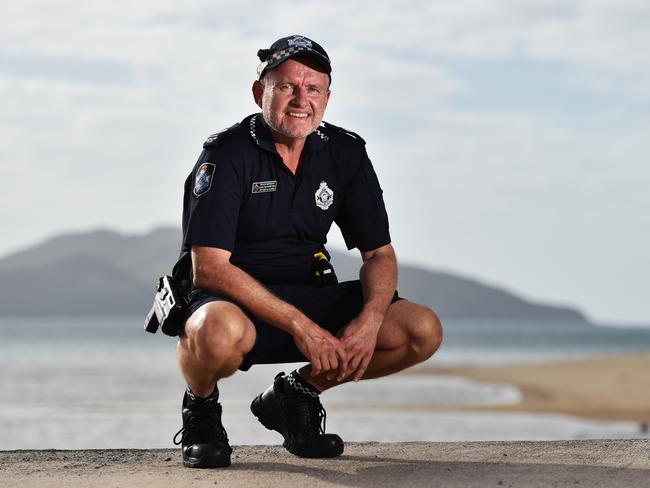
286,87
314,90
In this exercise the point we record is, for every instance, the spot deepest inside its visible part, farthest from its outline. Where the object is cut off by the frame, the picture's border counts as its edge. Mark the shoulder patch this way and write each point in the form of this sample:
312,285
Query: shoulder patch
203,179
349,133
213,139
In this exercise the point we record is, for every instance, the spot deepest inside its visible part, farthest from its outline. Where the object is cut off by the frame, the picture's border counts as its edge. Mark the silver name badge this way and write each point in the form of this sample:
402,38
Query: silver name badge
264,186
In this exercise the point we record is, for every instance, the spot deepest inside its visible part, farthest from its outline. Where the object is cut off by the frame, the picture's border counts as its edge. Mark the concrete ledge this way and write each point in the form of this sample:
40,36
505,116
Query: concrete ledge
592,463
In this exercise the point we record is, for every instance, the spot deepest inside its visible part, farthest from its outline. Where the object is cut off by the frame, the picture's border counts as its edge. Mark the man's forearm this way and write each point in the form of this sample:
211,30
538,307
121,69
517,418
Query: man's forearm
214,273
228,280
378,277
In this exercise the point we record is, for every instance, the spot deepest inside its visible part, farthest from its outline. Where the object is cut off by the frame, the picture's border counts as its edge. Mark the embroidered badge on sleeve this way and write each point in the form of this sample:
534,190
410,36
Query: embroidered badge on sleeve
203,180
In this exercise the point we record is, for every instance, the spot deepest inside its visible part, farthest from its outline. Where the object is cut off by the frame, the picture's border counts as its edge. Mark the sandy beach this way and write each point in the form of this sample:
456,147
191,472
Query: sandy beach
603,388
592,463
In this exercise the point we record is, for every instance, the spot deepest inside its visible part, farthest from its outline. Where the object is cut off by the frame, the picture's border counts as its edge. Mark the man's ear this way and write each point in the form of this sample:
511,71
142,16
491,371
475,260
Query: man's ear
258,90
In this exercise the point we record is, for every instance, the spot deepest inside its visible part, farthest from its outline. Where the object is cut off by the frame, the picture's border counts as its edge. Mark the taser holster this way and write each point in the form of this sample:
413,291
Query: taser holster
169,308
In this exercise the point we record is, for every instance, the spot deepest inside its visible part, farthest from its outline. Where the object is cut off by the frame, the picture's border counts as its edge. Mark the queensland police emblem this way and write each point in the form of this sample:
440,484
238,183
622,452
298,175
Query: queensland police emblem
203,180
324,196
299,41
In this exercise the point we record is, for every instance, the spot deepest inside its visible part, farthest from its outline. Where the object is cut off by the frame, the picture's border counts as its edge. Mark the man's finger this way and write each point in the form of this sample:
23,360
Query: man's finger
328,364
354,364
334,361
343,364
343,355
334,365
315,366
325,362
362,369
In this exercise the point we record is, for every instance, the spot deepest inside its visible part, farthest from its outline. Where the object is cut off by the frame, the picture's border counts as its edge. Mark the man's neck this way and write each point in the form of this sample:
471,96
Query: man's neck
289,150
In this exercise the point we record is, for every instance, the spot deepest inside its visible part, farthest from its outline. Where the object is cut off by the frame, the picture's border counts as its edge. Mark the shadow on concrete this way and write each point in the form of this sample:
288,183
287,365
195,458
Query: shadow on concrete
416,473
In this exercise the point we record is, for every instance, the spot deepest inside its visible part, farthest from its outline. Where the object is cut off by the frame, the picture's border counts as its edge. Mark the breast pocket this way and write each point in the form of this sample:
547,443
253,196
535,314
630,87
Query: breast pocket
265,214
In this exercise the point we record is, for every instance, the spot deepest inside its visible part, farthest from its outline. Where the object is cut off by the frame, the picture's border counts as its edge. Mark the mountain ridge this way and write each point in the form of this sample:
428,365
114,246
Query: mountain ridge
105,272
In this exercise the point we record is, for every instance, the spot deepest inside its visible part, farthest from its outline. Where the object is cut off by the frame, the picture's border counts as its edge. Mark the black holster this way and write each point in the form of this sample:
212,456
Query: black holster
169,309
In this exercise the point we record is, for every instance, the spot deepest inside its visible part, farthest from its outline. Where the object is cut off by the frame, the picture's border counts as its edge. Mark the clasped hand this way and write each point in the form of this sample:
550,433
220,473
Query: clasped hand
340,357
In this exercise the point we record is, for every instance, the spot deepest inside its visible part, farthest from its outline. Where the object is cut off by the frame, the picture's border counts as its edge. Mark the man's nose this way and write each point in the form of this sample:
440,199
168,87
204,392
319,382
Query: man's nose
299,97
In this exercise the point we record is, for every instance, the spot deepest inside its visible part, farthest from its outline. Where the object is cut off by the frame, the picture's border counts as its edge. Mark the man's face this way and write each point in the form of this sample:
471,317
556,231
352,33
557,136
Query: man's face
293,98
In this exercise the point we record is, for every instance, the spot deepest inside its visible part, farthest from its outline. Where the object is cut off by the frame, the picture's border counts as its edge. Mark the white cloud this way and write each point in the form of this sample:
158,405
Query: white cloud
548,210
404,85
105,105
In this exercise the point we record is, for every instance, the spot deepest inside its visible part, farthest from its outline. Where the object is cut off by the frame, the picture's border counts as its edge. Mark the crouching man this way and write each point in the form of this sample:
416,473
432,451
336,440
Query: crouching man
257,209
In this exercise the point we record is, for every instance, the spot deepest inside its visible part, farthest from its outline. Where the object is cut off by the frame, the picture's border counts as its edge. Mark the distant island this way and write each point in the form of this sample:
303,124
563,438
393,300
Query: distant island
108,273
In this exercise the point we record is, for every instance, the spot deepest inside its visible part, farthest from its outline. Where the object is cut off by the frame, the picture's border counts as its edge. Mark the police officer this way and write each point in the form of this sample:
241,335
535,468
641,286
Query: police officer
256,212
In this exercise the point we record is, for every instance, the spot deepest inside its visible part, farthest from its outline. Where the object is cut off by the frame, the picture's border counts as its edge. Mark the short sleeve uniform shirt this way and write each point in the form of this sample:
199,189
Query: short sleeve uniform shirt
242,198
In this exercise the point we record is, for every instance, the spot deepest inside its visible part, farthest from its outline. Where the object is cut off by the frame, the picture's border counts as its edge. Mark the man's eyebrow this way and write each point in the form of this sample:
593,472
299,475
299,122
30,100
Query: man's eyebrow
320,86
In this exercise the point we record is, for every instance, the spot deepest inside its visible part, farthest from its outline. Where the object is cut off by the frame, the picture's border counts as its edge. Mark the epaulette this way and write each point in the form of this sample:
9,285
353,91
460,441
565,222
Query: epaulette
354,135
213,139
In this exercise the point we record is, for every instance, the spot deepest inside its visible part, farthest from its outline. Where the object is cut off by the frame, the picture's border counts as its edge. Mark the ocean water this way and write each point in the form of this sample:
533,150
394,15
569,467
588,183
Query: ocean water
100,382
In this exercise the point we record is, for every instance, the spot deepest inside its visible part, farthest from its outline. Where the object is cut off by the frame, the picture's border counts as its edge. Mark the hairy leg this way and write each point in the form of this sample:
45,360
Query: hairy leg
216,338
410,334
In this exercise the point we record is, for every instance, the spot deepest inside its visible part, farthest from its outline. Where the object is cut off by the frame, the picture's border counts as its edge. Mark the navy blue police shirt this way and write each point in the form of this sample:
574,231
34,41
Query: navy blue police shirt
242,198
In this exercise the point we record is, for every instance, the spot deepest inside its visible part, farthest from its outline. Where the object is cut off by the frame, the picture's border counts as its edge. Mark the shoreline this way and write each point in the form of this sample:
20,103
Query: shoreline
598,388
594,463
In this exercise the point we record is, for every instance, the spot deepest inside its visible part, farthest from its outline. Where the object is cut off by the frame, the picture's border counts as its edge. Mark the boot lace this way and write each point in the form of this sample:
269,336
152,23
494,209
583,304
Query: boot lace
202,425
305,414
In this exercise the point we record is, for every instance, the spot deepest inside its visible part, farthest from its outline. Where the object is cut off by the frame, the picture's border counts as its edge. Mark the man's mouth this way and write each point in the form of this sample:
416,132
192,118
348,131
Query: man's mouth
297,115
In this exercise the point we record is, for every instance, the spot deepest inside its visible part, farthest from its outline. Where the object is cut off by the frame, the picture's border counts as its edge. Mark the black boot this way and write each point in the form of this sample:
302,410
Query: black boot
203,439
298,417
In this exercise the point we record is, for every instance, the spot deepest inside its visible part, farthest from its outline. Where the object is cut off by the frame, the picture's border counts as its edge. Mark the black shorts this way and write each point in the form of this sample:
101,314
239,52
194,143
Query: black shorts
332,307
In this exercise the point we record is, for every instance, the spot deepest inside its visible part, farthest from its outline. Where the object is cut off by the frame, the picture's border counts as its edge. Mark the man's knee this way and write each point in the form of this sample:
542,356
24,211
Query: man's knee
425,332
219,328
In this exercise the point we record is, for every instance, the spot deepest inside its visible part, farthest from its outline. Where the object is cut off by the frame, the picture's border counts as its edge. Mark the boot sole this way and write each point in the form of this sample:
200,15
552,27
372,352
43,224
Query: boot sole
202,464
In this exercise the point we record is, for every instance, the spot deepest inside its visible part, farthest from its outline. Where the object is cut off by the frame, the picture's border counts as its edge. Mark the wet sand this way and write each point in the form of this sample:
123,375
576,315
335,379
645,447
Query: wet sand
612,388
604,388
594,463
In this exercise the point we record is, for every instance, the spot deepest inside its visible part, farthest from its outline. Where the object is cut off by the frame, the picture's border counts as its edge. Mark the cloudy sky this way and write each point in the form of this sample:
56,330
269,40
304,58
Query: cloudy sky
512,138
